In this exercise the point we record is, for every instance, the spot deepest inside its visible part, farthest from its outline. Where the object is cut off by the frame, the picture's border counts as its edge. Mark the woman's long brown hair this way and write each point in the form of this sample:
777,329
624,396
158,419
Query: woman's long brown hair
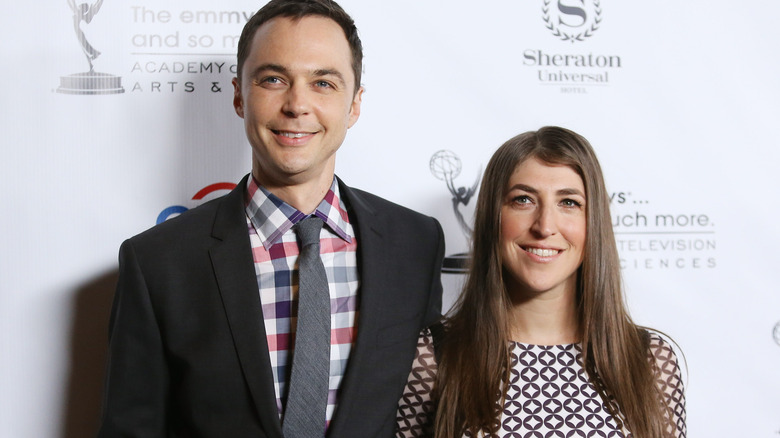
474,354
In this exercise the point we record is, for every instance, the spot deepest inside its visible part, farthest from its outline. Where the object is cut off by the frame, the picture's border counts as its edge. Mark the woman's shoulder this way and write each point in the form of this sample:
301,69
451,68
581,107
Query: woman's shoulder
661,349
669,380
666,366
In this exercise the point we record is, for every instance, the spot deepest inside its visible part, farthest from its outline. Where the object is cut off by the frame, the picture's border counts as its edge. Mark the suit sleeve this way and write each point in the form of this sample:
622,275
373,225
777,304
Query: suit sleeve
433,312
136,386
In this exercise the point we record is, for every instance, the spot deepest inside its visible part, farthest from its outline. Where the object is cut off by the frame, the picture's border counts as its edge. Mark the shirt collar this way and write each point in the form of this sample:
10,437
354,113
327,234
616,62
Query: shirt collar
272,217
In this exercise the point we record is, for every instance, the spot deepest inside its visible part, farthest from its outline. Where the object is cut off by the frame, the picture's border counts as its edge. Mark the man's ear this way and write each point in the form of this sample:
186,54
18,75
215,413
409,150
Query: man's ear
238,101
354,110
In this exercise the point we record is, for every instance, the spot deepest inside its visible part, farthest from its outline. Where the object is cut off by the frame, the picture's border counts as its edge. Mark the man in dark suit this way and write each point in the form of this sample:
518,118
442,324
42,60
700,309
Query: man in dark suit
203,323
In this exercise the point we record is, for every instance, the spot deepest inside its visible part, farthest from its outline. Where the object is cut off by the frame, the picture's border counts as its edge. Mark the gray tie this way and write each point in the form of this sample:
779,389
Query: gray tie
307,398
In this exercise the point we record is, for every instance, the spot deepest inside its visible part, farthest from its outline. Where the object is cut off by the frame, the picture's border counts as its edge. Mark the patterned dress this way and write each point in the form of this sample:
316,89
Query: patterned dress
548,396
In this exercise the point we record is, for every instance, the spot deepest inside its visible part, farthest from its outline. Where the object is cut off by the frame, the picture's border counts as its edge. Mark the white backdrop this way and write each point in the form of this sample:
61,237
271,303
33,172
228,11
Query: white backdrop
680,100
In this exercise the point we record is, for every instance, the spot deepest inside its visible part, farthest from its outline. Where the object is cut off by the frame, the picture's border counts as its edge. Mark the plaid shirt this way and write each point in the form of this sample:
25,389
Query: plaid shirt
275,251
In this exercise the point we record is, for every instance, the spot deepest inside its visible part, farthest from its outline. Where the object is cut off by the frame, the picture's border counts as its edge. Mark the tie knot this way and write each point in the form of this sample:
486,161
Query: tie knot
309,230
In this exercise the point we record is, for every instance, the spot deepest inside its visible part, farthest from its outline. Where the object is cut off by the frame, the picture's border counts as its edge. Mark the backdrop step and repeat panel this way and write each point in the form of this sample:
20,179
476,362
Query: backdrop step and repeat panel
118,115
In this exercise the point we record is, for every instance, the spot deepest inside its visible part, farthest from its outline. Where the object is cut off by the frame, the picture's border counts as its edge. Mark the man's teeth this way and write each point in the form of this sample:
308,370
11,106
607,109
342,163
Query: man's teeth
542,252
293,134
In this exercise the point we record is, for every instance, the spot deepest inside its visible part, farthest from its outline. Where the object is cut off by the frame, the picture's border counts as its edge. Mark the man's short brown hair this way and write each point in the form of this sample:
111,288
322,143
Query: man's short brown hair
297,9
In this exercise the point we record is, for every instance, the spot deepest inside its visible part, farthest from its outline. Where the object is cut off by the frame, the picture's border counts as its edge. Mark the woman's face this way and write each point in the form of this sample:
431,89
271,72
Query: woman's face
543,227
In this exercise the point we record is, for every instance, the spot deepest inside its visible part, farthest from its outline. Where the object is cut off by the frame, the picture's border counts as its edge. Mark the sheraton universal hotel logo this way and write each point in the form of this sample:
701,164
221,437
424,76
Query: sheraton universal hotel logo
572,67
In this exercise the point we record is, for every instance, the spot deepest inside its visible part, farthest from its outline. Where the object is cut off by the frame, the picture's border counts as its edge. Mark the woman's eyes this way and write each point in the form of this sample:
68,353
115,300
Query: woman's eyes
522,199
571,203
526,200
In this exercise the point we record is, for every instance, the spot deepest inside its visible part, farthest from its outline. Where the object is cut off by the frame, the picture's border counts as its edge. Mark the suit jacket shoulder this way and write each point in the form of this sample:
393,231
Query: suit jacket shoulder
213,218
388,216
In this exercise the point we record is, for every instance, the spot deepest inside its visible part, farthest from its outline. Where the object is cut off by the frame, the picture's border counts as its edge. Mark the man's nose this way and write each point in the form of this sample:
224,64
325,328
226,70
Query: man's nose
297,101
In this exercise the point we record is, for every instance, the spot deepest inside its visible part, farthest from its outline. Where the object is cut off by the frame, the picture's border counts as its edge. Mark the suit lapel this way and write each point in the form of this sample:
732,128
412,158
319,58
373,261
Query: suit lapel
231,259
368,225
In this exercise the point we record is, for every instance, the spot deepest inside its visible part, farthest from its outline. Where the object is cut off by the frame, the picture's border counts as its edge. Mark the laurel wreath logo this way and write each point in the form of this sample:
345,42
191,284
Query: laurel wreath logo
572,37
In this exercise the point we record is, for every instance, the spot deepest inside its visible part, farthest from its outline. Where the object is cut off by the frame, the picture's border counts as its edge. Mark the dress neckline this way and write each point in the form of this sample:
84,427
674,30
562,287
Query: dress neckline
544,347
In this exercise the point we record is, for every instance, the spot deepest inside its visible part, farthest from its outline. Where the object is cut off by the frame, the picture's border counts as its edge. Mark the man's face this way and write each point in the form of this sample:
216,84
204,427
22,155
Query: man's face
297,99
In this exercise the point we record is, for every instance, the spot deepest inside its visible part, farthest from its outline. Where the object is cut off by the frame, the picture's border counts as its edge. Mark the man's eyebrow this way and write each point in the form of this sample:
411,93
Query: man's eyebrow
320,72
269,67
329,72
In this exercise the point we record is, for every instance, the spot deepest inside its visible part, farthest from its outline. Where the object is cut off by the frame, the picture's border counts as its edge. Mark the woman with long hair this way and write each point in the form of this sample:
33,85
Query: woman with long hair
540,343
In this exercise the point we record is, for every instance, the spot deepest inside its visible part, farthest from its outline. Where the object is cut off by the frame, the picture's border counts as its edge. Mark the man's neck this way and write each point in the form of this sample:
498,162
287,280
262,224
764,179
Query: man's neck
304,196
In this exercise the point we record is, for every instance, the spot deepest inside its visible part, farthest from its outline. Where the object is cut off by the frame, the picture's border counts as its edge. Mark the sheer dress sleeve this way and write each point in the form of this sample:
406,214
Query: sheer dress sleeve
416,410
669,381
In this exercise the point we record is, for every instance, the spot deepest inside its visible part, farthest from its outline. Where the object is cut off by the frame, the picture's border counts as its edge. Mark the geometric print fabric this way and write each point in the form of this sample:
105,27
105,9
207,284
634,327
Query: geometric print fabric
548,394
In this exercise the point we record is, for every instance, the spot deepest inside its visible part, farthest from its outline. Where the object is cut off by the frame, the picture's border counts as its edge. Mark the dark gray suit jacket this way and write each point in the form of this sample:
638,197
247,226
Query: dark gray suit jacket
188,354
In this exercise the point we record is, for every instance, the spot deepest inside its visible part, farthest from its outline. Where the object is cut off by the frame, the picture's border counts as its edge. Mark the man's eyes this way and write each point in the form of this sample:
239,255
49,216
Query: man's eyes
323,84
272,80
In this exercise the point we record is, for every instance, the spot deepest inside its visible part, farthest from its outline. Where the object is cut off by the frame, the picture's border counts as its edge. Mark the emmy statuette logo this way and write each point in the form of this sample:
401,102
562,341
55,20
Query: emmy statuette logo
572,20
89,82
446,166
